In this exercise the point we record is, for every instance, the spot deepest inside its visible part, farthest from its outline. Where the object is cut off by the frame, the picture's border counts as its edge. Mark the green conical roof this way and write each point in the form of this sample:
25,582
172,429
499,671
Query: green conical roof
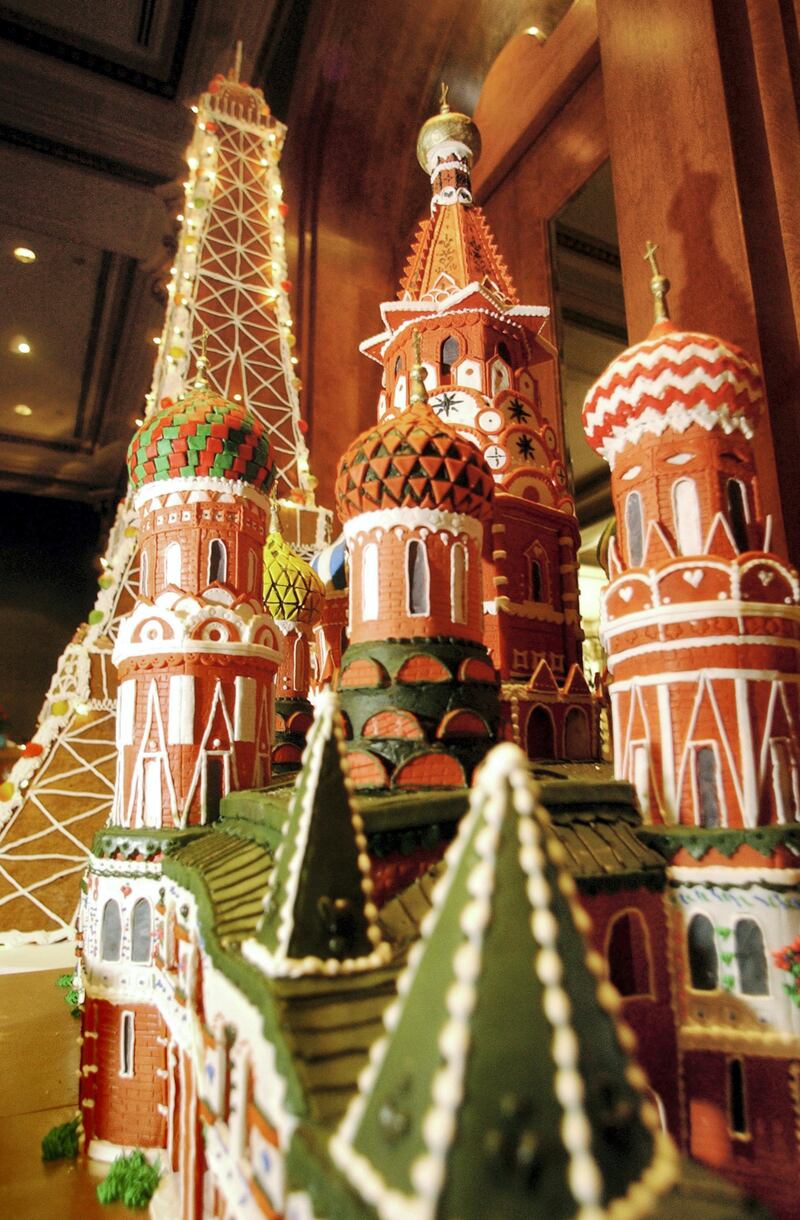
501,1087
319,917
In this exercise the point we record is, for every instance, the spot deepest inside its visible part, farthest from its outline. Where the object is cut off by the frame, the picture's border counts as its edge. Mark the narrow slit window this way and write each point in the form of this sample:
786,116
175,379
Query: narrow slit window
217,562
751,958
449,356
172,565
707,790
417,578
140,931
144,575
537,584
214,786
127,1034
110,932
458,583
738,516
783,779
369,582
634,529
737,1104
629,963
686,512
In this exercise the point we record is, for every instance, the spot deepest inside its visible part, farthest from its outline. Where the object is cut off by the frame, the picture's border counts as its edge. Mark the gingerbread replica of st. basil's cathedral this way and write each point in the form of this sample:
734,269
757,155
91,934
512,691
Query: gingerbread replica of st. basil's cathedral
377,991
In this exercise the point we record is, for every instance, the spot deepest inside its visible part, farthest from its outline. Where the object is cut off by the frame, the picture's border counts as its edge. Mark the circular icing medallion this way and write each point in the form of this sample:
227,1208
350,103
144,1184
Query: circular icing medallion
496,457
490,421
549,437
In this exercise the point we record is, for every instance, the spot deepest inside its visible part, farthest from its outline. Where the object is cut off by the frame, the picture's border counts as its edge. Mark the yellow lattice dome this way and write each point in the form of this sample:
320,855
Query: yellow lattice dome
292,590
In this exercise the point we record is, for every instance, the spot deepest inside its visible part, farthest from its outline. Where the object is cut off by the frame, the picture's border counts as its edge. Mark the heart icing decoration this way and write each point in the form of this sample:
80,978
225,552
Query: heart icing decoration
693,577
765,577
126,889
627,593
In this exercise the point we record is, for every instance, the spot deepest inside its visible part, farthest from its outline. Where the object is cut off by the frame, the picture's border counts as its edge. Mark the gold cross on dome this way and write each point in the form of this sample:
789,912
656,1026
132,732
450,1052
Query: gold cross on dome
443,103
650,257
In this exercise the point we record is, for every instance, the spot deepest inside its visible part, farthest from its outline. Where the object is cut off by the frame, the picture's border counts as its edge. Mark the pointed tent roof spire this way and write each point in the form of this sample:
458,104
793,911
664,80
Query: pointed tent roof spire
503,1084
319,917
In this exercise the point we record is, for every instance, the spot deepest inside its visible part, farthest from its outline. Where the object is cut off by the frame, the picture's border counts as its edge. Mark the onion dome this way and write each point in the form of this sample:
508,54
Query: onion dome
202,435
446,127
292,590
414,460
672,379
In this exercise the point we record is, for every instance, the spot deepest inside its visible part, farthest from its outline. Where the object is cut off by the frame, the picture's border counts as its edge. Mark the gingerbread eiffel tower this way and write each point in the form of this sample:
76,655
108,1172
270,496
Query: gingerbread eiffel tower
229,280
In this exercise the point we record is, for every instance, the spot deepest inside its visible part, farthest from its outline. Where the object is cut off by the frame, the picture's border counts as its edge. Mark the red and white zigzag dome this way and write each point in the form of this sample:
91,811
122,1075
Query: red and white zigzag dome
673,379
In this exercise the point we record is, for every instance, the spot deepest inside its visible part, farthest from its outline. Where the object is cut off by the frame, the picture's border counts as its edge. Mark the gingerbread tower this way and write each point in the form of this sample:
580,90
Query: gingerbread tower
702,624
493,377
417,684
229,278
200,471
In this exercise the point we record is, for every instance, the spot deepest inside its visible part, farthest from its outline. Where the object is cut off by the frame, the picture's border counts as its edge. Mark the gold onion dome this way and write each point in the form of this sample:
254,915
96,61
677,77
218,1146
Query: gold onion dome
293,592
447,125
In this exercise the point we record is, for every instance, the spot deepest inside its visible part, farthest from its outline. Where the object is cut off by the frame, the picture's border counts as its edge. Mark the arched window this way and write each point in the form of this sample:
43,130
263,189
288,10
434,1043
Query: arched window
737,1103
458,583
703,963
751,958
172,565
398,366
541,734
629,964
144,575
369,582
706,789
140,931
417,578
576,734
686,514
214,785
110,932
738,515
300,661
217,561
252,573
504,353
537,584
448,357
634,528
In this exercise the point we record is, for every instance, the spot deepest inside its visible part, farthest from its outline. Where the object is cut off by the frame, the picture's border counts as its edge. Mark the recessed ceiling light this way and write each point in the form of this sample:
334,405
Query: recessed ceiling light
24,254
20,345
23,409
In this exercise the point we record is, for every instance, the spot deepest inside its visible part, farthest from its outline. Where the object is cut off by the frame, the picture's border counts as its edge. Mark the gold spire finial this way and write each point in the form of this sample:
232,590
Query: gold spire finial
236,71
200,382
659,284
418,374
444,107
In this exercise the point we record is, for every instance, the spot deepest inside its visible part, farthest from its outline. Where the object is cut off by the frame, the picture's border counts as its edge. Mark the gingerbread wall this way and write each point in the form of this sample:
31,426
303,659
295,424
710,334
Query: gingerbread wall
128,1109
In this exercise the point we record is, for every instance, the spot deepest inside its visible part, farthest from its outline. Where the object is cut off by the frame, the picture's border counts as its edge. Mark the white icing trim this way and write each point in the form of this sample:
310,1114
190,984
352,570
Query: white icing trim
721,874
231,487
436,520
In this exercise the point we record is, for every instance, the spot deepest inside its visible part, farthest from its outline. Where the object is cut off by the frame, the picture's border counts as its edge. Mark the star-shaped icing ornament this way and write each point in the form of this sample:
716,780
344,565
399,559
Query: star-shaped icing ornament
443,404
517,411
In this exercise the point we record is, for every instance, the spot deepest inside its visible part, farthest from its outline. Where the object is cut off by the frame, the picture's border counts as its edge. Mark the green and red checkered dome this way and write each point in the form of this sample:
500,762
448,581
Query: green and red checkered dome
202,435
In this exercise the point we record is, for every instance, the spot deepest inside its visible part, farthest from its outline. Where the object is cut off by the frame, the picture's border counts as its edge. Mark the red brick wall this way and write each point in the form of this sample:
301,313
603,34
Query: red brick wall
394,620
765,1161
651,1019
125,1108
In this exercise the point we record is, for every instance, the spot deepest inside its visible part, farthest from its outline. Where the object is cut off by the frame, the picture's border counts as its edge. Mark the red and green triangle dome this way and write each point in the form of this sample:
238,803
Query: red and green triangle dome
202,435
414,460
